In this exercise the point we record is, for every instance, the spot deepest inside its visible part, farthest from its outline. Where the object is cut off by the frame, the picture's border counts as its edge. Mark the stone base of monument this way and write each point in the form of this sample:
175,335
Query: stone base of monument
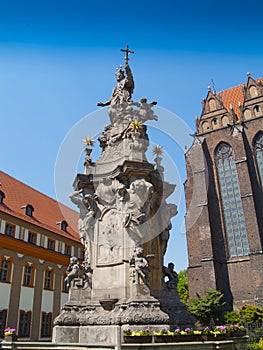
130,312
106,335
103,322
99,321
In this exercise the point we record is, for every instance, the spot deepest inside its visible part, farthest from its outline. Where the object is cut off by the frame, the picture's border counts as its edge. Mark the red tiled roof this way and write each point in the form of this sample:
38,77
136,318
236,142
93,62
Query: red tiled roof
233,96
46,213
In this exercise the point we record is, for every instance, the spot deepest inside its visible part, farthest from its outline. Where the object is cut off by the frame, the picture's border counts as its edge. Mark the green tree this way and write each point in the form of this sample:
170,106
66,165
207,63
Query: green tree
207,308
182,286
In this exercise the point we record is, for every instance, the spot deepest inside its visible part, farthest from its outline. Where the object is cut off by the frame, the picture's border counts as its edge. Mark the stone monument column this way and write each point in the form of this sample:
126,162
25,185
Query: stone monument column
124,226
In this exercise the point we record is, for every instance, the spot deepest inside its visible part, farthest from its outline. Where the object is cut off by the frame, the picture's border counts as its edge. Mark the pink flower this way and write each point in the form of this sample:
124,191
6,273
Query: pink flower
9,330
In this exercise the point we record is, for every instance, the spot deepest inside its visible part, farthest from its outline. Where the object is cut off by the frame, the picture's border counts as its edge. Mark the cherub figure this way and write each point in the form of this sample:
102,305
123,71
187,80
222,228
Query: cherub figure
141,266
76,270
146,112
73,270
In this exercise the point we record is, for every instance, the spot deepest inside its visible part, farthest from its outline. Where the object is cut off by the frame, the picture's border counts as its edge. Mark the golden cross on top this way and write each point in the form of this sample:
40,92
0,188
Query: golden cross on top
127,52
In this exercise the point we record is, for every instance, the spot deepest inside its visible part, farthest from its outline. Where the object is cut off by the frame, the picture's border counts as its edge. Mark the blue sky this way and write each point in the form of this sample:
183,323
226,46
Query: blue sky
57,60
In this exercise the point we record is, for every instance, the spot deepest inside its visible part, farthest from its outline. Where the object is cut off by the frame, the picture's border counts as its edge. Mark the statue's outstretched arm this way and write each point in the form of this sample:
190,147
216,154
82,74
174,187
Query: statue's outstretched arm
108,102
103,104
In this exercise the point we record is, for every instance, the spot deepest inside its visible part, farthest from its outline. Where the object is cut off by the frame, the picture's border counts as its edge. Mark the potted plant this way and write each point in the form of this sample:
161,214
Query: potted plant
163,336
141,336
216,333
187,335
235,330
220,332
207,334
10,334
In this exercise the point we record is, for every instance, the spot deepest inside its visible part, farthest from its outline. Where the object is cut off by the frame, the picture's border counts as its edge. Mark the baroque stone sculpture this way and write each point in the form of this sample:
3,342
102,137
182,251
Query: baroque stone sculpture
124,226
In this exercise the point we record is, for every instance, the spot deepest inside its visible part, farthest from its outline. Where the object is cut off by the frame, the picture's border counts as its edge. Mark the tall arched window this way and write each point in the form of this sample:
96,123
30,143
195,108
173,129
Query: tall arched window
49,276
231,201
29,271
46,324
24,323
258,147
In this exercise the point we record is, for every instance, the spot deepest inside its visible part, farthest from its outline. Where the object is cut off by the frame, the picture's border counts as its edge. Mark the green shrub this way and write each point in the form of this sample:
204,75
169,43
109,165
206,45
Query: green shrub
251,314
207,308
232,317
252,346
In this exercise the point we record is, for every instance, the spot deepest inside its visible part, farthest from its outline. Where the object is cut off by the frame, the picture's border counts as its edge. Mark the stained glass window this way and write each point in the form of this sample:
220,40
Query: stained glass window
258,146
231,201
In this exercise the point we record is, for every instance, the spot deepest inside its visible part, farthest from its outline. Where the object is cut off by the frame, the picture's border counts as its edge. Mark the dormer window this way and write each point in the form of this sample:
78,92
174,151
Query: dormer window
2,196
63,225
29,209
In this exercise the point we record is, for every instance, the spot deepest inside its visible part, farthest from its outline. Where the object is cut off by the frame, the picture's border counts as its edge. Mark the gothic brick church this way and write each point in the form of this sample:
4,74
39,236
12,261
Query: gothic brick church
224,220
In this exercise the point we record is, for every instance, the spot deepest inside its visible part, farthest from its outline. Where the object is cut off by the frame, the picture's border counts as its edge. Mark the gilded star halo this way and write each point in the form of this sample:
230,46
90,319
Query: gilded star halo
157,150
136,125
88,141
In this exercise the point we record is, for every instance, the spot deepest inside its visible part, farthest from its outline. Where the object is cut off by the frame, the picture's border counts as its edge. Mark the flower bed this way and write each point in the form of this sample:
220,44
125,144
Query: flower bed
187,334
236,331
142,336
164,335
137,339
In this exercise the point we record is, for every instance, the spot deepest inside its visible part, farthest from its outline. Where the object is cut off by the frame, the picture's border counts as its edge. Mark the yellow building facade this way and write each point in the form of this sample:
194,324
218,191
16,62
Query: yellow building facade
36,242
